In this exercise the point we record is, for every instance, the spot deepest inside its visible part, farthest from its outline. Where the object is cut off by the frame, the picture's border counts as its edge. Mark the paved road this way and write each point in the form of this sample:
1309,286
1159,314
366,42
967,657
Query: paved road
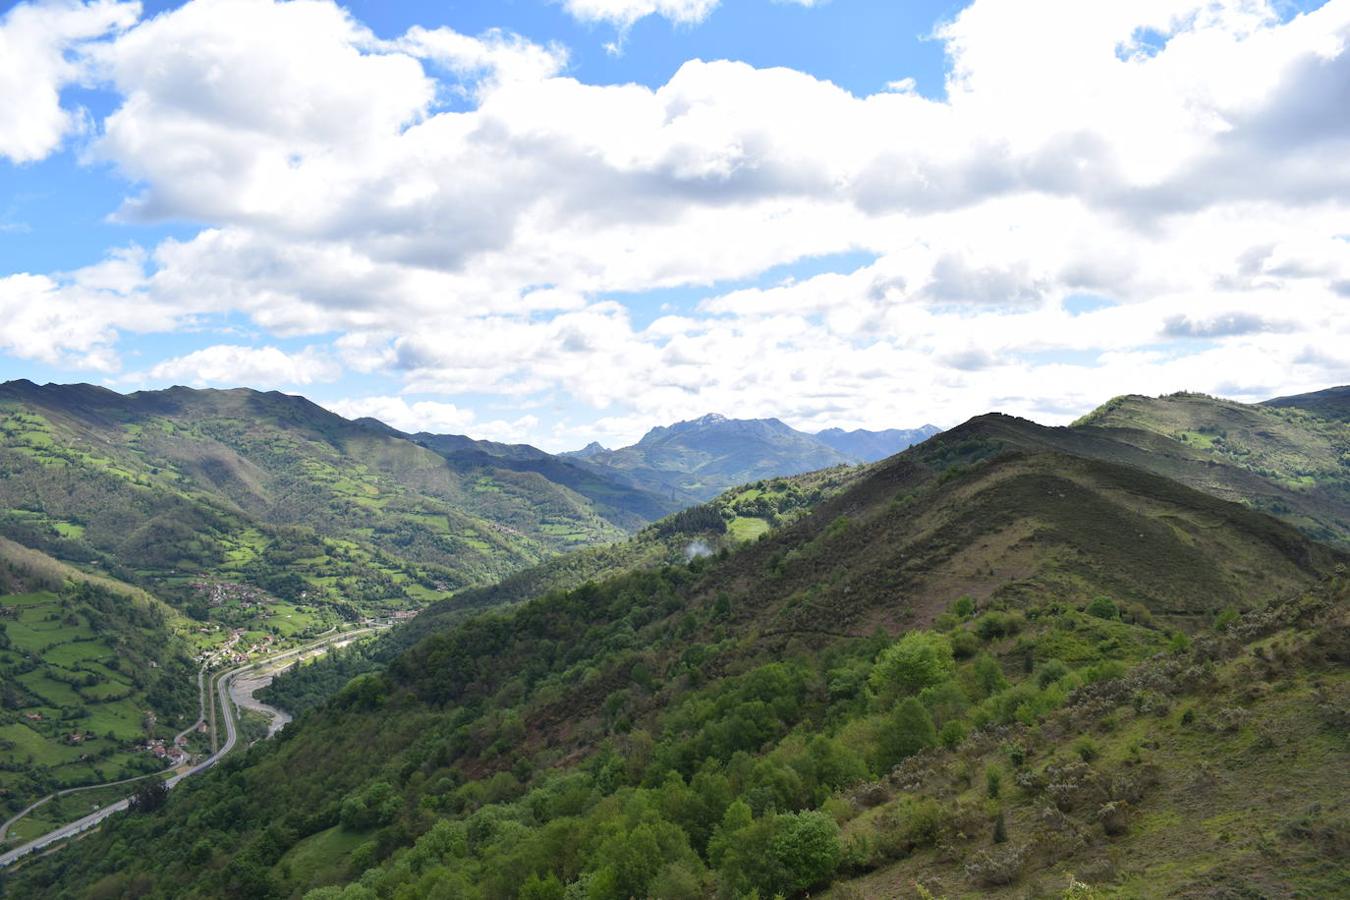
4,829
201,701
231,737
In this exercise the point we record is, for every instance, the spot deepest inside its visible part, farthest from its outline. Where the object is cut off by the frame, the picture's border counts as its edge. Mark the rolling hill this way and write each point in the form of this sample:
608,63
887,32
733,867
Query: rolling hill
1289,457
1006,662
272,490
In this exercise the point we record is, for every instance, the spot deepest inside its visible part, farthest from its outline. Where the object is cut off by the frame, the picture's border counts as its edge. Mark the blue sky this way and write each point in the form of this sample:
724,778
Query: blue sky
565,220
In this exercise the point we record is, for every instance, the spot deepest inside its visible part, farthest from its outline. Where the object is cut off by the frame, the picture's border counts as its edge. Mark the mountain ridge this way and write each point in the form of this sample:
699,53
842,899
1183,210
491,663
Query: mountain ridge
696,459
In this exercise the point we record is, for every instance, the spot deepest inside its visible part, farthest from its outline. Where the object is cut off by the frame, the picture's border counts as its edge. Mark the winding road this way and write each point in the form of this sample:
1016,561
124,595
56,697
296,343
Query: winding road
223,688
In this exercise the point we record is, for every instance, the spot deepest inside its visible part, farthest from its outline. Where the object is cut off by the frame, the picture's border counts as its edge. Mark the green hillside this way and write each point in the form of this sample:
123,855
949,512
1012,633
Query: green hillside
267,490
736,516
615,499
89,671
976,669
1289,457
261,519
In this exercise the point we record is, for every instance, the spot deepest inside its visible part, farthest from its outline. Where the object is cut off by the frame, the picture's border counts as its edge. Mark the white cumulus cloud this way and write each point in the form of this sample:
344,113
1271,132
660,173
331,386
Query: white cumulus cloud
40,54
232,364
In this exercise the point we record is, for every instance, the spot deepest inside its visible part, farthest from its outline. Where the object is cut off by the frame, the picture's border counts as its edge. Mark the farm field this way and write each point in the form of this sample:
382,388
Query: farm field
82,697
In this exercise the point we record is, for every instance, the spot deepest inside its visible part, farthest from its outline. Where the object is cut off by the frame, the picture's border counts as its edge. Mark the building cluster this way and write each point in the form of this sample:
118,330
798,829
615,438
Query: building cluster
171,753
219,593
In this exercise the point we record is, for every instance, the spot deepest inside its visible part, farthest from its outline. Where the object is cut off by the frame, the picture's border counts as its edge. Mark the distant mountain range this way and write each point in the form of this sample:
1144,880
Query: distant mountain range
696,460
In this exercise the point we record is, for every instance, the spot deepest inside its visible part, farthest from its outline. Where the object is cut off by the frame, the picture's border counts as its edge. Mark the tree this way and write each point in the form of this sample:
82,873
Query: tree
945,701
149,796
536,888
989,676
918,660
737,817
806,847
906,731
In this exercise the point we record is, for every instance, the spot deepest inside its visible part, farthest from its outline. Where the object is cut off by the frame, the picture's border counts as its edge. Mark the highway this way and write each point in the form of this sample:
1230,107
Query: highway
231,737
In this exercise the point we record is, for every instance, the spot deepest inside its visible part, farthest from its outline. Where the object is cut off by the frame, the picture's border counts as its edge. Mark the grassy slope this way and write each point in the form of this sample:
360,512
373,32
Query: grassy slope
1290,457
90,655
606,688
1213,773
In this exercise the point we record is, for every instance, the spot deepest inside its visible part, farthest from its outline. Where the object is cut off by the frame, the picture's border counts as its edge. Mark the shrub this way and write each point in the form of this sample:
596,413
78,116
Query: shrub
993,625
1225,618
993,782
914,823
1137,614
964,644
964,607
989,678
945,701
995,868
1103,608
1086,748
1000,828
1052,670
953,733
780,854
1113,819
806,847
1104,671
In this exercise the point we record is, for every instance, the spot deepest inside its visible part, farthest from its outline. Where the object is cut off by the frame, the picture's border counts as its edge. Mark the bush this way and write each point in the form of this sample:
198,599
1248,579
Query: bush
1103,608
945,701
964,644
953,733
1113,818
1225,618
916,822
1052,670
993,782
989,678
993,625
996,868
780,854
806,846
1086,748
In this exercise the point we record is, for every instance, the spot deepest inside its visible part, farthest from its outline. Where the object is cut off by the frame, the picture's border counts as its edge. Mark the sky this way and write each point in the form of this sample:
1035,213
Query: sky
558,221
